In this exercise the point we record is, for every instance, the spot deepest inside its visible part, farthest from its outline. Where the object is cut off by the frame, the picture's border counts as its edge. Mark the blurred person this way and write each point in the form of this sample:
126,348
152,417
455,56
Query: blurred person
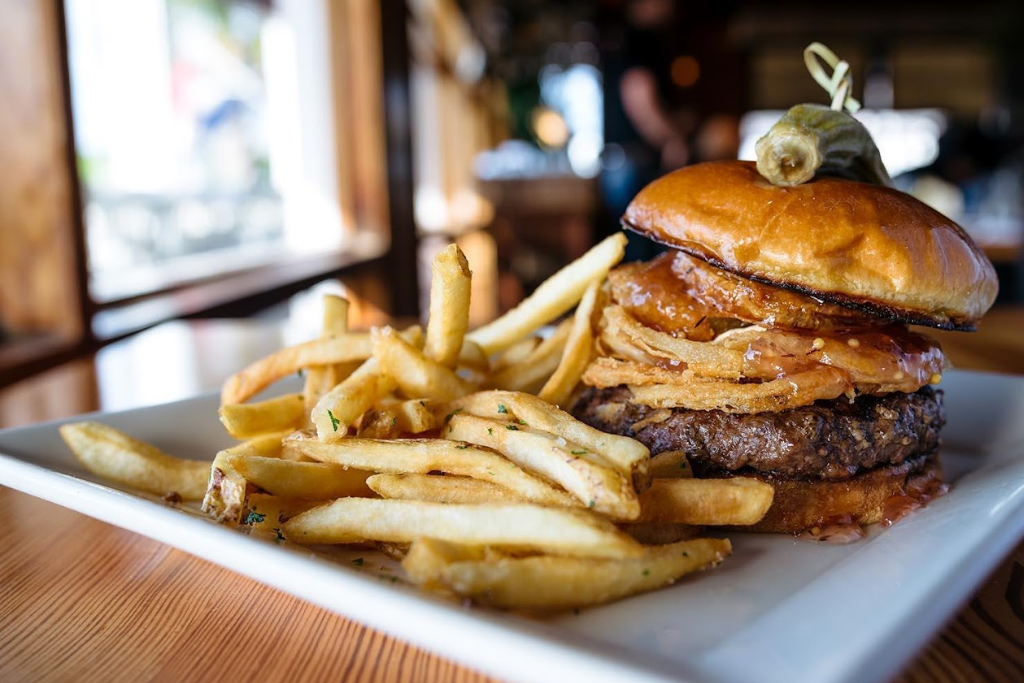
644,135
717,139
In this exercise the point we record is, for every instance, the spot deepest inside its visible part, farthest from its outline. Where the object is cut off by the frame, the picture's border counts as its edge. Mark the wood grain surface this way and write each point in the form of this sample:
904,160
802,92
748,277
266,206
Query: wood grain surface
85,601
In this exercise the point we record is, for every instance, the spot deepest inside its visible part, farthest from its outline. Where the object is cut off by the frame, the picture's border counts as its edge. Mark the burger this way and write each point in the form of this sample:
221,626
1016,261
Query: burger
772,339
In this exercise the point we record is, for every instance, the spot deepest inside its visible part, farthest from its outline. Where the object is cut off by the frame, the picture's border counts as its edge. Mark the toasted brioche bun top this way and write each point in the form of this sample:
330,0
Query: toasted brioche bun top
864,246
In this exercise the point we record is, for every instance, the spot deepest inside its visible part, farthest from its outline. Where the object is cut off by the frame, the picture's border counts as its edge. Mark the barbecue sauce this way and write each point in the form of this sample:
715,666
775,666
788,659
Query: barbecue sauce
912,497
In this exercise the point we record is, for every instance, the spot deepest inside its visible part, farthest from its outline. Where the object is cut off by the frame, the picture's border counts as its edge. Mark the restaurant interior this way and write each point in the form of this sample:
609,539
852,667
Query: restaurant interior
181,181
197,160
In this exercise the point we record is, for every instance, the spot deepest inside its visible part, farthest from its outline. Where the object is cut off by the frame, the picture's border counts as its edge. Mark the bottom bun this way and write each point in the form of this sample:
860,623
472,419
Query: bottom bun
880,494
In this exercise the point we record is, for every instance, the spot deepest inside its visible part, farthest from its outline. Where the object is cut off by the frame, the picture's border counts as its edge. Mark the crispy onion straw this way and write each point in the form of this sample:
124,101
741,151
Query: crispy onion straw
661,388
754,369
704,359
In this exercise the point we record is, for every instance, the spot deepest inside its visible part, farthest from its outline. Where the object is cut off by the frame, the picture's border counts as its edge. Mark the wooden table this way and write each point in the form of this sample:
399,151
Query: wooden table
82,600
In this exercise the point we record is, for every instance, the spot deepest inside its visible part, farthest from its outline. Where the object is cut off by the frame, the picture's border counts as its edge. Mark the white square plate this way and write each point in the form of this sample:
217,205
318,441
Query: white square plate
777,610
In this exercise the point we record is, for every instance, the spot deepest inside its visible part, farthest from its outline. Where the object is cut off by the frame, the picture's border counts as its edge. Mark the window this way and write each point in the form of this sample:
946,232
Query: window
226,155
209,137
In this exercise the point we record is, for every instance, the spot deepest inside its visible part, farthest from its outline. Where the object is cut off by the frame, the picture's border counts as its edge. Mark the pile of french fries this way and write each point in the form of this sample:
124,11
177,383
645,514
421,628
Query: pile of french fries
447,449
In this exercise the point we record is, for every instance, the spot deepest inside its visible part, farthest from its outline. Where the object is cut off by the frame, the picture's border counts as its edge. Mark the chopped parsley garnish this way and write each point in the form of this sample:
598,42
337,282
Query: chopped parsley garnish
490,431
579,452
462,447
521,421
502,409
358,562
301,372
512,427
280,536
683,465
394,421
647,572
254,517
686,554
591,503
449,416
334,421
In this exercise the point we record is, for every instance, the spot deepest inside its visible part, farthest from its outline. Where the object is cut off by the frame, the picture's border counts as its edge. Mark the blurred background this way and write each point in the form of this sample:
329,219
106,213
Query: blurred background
168,159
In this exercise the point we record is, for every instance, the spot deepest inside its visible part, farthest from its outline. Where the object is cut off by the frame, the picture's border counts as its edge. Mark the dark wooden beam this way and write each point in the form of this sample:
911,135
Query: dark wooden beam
398,131
86,306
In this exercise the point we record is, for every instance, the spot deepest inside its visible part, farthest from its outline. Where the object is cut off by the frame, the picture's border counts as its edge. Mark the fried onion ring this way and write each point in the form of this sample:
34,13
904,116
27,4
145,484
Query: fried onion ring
662,388
755,369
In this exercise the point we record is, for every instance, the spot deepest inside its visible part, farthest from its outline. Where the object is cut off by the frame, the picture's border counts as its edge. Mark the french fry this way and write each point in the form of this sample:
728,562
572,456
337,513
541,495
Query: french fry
335,412
308,480
226,491
242,386
670,465
473,366
552,298
660,533
379,423
266,445
519,527
264,514
422,456
628,456
392,417
530,374
578,350
248,420
395,551
414,416
517,353
114,455
546,583
737,501
322,378
434,488
415,374
586,476
449,306
517,504
234,477
427,558
473,357
335,315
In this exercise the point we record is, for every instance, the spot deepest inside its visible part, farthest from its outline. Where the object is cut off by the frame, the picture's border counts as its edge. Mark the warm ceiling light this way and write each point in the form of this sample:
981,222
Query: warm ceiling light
550,127
685,71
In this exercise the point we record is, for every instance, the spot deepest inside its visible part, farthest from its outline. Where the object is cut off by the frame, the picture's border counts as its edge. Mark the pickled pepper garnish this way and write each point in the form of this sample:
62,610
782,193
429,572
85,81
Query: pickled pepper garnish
815,139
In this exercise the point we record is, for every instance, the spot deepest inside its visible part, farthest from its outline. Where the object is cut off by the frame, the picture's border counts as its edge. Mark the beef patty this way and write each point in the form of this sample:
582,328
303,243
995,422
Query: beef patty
830,440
